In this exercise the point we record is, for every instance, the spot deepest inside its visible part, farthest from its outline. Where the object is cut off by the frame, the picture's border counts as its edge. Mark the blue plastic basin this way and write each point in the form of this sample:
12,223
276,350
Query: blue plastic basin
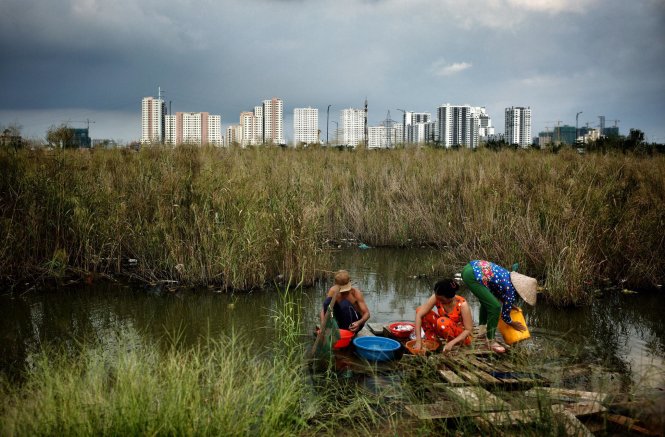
376,348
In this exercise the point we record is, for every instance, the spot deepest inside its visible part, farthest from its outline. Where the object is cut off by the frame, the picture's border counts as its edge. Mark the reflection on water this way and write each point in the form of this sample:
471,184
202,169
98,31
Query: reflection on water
624,333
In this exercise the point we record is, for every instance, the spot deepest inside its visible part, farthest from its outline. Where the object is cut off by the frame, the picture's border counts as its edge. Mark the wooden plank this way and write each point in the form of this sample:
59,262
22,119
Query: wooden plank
562,394
451,377
439,385
585,408
498,367
572,425
595,426
474,351
503,366
439,410
479,363
517,417
507,418
470,377
477,398
475,367
487,378
519,378
630,424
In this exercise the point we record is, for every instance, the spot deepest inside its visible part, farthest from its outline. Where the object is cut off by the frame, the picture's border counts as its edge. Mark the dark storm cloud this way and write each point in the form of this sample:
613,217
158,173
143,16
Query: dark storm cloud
557,56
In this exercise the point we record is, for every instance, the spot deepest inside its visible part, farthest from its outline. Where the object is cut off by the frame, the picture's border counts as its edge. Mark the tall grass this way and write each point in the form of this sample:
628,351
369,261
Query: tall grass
240,218
127,385
130,386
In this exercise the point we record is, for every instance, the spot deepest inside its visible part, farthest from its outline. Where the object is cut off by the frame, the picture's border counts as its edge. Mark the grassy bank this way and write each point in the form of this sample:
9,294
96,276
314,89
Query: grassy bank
129,385
240,218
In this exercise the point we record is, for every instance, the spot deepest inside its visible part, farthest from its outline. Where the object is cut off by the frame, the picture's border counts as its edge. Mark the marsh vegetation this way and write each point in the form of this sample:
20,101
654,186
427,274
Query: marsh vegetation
242,218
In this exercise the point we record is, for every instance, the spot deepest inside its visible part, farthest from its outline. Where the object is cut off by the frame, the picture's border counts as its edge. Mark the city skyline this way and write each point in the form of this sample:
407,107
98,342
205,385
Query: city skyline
87,61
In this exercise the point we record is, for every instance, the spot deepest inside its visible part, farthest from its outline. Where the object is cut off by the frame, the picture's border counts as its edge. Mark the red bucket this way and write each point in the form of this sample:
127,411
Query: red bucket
345,337
401,329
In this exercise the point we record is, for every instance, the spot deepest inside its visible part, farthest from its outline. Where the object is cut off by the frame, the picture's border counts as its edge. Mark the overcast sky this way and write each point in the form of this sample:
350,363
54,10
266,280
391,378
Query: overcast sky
78,60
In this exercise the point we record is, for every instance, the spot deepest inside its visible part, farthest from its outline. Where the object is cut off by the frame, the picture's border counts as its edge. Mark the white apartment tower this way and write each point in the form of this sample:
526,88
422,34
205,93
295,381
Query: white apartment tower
250,129
258,125
461,125
423,132
518,126
152,120
233,135
306,125
384,137
486,129
193,128
454,125
273,121
353,126
215,130
412,119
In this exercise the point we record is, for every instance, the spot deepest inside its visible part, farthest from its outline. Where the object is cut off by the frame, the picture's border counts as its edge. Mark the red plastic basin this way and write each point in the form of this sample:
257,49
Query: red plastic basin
345,337
401,329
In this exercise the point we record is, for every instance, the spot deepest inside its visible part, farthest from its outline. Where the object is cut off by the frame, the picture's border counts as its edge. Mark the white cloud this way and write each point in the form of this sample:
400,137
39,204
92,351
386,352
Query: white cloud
450,69
553,6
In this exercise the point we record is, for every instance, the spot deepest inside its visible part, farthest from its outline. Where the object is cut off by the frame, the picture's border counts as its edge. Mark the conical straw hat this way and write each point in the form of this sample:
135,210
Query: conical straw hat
526,287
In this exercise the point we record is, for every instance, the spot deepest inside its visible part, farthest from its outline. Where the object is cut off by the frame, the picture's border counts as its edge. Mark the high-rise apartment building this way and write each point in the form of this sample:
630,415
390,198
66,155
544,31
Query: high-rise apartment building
152,120
233,135
411,119
486,130
454,125
193,128
273,121
422,132
215,130
306,125
518,126
353,126
461,125
264,125
258,137
250,129
384,137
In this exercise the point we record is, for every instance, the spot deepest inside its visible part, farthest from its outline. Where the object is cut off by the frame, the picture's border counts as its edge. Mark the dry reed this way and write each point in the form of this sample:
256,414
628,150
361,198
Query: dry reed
239,218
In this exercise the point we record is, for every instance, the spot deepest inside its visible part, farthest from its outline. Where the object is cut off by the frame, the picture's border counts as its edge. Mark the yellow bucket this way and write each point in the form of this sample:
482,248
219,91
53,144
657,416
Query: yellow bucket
510,334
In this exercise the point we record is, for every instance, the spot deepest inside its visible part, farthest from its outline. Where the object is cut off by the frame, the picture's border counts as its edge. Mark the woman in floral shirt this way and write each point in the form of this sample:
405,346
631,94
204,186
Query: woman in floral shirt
497,290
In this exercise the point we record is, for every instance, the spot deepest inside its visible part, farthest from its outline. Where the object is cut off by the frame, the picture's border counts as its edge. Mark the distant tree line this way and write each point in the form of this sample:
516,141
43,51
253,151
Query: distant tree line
633,142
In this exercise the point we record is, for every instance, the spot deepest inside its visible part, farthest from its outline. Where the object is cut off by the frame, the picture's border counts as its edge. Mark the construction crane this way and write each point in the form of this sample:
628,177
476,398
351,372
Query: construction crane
87,122
616,122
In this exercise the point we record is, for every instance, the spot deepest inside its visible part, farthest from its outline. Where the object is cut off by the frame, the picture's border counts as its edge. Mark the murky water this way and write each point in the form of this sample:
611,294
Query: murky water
620,334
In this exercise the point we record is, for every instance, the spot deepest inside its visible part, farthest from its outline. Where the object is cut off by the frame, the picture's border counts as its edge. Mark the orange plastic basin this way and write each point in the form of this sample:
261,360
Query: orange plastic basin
426,346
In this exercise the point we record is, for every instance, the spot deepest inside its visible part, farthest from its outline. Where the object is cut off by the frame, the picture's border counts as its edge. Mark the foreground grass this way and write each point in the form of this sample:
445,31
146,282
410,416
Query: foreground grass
240,218
129,386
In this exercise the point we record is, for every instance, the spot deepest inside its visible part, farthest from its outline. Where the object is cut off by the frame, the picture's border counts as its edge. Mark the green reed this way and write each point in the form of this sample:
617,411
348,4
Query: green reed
239,218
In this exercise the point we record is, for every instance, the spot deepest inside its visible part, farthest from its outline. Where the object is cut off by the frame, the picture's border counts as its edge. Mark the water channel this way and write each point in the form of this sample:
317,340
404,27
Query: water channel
623,335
